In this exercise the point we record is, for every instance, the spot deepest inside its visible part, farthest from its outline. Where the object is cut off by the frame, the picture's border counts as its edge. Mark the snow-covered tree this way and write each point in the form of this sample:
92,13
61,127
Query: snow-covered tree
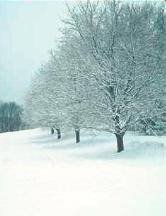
77,92
152,120
44,99
119,39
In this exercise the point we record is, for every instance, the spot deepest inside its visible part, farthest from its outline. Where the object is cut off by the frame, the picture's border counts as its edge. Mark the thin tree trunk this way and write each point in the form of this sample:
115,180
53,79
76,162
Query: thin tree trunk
58,133
77,132
120,145
52,130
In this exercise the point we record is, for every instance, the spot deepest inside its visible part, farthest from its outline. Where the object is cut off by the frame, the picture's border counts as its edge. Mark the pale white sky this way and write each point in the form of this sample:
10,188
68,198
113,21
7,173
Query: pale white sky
28,29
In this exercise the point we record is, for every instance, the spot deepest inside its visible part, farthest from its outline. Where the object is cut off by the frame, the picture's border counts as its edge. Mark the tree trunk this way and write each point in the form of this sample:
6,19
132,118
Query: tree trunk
77,132
58,133
52,130
120,145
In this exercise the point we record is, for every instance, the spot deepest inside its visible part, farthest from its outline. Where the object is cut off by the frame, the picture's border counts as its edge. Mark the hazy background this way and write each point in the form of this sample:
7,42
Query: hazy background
28,29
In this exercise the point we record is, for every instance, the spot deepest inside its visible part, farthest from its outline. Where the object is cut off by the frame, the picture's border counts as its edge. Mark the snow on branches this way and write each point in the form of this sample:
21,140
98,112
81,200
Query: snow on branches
108,70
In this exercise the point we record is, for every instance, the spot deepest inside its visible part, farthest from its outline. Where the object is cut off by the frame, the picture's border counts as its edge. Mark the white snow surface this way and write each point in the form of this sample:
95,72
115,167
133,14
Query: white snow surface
43,176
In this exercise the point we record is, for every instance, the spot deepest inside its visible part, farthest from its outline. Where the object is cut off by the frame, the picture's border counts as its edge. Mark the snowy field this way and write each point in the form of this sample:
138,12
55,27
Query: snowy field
42,176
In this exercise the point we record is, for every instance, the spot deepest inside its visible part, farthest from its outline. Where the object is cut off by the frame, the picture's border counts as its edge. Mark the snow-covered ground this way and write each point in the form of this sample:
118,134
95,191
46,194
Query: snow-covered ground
42,176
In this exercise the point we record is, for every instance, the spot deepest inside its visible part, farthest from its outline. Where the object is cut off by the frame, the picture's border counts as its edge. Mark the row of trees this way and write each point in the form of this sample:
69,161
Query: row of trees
107,73
10,117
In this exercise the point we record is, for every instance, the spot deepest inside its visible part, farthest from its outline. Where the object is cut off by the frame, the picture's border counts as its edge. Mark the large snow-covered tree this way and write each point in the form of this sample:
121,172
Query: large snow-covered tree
119,40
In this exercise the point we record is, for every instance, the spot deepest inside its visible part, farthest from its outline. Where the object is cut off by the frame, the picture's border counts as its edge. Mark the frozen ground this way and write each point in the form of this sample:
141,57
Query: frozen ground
40,176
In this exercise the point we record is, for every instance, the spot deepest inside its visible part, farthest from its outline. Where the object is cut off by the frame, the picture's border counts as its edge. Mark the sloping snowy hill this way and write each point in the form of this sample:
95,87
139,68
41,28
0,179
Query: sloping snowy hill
43,176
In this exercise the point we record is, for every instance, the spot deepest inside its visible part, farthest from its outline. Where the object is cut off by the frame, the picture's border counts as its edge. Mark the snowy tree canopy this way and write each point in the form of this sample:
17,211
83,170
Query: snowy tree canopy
108,71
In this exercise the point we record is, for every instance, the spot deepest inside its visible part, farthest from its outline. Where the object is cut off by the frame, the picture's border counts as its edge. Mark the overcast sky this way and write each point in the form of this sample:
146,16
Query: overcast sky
28,29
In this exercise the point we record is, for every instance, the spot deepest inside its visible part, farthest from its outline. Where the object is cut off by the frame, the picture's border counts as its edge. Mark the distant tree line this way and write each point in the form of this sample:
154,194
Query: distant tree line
10,117
108,72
